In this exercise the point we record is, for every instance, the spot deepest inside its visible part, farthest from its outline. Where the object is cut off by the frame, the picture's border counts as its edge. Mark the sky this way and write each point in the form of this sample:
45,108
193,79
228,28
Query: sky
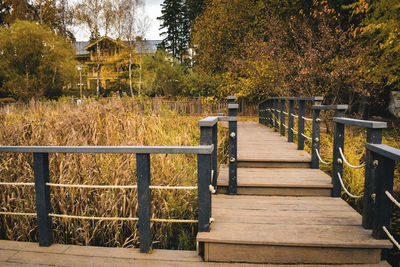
152,9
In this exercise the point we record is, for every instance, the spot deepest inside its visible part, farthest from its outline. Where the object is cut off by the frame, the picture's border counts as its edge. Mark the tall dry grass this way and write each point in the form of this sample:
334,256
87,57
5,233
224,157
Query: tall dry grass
118,121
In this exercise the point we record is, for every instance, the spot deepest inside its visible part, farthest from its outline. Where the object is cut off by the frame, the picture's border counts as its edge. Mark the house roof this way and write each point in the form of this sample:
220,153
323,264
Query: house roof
146,46
102,39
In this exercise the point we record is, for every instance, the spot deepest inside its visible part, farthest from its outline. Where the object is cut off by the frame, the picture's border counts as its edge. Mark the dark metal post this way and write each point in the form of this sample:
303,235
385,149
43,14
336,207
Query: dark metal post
43,206
337,165
374,136
214,154
276,107
300,130
283,109
270,114
204,166
290,121
384,174
260,113
316,128
143,182
233,110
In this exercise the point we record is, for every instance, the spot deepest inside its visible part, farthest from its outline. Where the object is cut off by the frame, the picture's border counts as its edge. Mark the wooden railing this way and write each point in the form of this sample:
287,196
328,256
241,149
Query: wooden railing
206,172
380,159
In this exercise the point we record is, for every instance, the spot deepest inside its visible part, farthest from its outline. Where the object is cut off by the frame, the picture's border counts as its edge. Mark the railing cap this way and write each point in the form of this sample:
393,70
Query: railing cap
233,106
203,149
232,97
361,123
384,150
311,98
330,107
208,122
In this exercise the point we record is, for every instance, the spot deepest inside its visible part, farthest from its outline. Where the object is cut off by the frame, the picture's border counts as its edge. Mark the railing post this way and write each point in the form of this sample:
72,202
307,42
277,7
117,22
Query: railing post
232,111
260,113
300,129
204,165
337,165
316,135
214,160
283,109
270,116
143,191
290,120
384,174
43,206
374,136
276,107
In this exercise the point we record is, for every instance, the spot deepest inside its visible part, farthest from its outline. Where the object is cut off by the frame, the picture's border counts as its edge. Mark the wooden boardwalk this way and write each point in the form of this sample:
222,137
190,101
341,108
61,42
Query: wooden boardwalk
283,212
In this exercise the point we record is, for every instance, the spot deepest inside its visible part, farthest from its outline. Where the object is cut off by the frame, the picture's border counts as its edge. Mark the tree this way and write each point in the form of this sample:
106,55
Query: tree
175,24
34,61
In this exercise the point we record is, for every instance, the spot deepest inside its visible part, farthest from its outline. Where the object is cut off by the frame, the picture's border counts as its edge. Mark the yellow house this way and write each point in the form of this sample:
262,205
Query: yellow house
107,60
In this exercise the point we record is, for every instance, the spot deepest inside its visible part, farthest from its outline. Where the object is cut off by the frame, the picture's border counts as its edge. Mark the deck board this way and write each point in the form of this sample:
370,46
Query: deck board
260,143
291,230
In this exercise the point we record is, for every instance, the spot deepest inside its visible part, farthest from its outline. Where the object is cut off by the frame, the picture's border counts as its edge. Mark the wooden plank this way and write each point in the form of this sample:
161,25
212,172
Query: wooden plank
291,255
273,164
255,143
277,177
342,236
279,191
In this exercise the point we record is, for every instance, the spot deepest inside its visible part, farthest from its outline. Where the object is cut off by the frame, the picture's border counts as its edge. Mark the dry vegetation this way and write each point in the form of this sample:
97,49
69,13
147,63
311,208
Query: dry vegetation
117,121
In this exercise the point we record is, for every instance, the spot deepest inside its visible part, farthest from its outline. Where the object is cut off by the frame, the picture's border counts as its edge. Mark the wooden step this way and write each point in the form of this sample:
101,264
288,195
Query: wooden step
277,182
261,147
288,230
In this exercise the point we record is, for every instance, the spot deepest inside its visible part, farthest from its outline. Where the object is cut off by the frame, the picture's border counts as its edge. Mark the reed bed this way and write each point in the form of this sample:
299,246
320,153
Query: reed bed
117,121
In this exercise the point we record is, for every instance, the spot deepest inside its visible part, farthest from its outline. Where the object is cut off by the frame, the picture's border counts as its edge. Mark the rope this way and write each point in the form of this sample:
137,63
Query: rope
284,125
174,220
295,116
93,217
307,119
173,187
121,186
390,196
285,113
17,184
344,188
320,159
305,136
17,213
293,130
391,237
347,163
118,218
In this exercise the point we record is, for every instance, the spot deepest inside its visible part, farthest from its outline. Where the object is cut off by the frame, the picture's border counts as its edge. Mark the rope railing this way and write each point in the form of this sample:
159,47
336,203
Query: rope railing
394,241
307,119
65,216
18,213
284,125
390,196
17,184
122,186
345,189
320,159
285,113
305,136
295,116
347,163
294,130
